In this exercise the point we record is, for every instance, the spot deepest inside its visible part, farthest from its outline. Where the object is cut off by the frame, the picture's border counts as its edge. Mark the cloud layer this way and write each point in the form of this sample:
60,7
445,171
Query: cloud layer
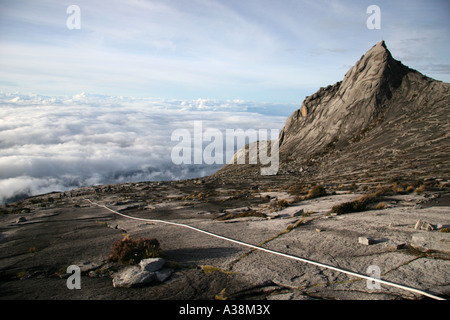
53,144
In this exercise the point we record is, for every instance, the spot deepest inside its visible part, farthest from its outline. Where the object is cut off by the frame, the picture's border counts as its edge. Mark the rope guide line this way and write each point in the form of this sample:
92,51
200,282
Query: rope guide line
318,264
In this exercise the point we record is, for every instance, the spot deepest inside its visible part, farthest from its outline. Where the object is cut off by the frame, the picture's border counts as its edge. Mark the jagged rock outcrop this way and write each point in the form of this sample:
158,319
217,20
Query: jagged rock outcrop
383,119
337,113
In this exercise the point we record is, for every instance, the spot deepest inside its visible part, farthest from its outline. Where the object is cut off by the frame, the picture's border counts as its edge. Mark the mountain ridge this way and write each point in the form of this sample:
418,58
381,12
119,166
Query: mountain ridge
364,113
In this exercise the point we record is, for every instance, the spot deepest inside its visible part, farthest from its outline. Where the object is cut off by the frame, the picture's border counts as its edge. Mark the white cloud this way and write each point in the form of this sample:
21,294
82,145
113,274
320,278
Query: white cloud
59,143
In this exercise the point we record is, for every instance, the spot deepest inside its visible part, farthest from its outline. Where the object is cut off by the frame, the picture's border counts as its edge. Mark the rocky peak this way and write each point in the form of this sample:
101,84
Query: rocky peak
382,119
337,112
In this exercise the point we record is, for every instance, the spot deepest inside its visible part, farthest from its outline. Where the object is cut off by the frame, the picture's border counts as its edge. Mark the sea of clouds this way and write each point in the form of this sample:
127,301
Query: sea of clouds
60,143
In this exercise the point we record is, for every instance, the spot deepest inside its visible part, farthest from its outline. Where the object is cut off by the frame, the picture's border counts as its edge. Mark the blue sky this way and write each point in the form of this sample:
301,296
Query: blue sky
256,50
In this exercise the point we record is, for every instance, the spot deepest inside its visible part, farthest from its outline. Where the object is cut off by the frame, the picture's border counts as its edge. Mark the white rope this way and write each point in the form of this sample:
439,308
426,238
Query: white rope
392,284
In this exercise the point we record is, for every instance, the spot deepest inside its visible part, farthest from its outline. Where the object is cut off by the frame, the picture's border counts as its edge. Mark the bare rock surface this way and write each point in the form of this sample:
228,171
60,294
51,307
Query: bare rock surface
198,266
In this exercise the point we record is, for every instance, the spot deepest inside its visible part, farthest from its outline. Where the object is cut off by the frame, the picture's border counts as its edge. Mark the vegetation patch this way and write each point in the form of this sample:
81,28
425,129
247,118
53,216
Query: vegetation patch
381,205
302,192
243,214
221,295
32,251
23,275
128,251
354,206
282,204
365,202
210,269
316,192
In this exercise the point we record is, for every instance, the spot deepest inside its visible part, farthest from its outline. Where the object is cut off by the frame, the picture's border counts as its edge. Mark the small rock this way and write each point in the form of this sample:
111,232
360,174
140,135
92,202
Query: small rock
237,210
396,245
332,214
422,225
418,224
133,277
298,213
152,264
21,219
366,241
204,212
319,230
87,266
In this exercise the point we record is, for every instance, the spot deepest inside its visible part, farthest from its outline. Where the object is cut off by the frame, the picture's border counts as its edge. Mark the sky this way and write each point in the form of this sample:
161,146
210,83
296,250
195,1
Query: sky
258,50
99,104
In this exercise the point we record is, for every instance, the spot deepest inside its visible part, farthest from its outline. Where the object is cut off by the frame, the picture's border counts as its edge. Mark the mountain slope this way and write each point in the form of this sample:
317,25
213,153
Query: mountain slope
384,119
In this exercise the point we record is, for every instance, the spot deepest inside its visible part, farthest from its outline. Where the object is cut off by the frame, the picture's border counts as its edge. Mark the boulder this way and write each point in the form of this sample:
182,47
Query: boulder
366,241
152,264
133,277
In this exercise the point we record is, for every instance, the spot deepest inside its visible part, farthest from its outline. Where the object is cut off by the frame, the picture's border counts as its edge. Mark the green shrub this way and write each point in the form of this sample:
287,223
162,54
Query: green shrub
128,251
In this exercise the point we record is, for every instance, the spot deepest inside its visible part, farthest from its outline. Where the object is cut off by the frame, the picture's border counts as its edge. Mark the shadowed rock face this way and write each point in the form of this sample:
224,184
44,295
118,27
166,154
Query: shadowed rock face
383,117
337,113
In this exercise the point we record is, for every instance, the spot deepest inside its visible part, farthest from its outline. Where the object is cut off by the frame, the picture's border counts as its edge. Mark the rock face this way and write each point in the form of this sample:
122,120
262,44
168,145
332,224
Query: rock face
337,113
381,111
383,118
